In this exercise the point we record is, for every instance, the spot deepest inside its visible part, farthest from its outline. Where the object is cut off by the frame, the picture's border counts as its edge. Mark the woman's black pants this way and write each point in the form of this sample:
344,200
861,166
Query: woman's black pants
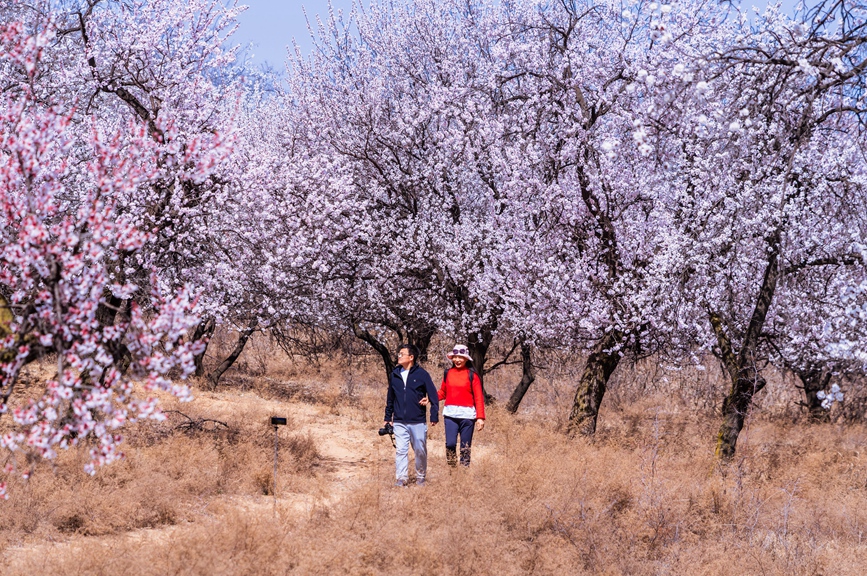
462,427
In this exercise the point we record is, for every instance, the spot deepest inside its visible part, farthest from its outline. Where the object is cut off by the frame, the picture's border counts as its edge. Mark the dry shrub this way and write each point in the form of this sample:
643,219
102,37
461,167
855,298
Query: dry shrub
303,452
644,496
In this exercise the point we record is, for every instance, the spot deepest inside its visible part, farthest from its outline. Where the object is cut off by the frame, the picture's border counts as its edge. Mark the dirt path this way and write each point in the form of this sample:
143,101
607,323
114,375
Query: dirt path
350,454
348,446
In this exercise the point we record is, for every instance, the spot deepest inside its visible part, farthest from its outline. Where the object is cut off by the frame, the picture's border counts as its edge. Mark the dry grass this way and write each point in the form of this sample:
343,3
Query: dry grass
645,496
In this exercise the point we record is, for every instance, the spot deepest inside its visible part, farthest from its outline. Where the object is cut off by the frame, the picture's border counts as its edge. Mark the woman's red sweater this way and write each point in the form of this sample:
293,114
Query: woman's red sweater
457,390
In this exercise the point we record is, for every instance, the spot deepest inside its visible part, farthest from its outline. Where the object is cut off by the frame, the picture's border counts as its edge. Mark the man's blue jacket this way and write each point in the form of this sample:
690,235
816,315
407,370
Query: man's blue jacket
402,401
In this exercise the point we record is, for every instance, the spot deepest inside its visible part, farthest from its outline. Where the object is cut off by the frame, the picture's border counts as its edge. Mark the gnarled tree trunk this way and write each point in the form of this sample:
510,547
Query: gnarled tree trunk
108,308
734,410
591,388
742,367
421,340
243,337
478,344
203,332
528,375
363,334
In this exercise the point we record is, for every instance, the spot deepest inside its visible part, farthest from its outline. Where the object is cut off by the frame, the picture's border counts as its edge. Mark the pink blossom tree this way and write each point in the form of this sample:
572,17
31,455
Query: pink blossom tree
62,238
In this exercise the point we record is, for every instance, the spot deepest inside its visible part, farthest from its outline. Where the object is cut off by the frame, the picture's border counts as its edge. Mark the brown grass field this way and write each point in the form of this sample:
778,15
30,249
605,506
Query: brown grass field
645,496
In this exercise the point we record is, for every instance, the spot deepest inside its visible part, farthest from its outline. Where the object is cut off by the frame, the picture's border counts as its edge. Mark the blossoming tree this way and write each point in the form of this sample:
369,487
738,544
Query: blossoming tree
62,237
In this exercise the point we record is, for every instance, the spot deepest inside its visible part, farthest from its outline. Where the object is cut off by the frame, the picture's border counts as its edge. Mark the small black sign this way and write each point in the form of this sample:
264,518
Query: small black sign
278,421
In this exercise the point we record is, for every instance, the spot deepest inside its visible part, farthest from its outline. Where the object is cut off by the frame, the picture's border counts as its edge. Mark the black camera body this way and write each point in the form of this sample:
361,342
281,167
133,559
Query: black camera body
387,429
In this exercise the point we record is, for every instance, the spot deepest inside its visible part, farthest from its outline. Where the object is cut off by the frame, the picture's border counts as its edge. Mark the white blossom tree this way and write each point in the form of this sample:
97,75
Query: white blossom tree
762,132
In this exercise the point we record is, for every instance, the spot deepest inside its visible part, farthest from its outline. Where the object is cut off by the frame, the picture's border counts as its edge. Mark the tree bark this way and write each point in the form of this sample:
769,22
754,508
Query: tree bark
243,337
421,340
734,411
203,331
387,361
814,380
742,368
478,345
107,310
528,375
591,388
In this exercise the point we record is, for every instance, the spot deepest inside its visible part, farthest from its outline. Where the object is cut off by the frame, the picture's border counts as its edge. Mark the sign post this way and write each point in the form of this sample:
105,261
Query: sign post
276,422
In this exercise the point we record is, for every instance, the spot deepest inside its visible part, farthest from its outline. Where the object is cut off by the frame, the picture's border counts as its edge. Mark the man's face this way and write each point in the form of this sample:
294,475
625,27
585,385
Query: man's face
404,358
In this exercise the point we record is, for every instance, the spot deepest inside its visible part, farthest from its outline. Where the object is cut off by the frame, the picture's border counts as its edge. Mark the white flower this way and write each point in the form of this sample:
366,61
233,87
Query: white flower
828,398
806,67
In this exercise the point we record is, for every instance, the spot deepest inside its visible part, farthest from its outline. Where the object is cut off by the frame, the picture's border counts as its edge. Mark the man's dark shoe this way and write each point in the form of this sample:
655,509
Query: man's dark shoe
420,482
400,483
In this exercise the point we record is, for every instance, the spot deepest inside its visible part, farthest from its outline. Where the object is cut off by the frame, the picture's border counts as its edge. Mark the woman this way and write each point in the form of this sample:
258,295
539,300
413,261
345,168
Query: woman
464,404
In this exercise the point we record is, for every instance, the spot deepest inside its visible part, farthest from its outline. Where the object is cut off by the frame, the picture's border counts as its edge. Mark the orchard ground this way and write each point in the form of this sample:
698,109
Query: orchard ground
645,496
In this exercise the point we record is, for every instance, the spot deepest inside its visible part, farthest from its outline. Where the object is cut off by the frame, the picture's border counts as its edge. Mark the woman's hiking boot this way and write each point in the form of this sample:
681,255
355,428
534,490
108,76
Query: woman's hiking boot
465,456
452,457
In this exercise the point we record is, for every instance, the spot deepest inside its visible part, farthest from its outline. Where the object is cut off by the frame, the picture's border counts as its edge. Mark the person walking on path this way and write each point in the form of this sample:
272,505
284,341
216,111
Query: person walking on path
464,409
410,390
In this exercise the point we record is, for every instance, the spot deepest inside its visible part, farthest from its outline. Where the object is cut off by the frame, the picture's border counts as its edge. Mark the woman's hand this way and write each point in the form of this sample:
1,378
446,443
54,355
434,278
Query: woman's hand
480,425
424,401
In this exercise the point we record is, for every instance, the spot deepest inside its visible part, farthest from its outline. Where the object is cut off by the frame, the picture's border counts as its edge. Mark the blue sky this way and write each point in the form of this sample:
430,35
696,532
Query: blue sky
271,24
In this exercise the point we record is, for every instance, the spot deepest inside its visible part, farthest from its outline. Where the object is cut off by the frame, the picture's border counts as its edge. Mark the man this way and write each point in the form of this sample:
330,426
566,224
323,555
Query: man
408,385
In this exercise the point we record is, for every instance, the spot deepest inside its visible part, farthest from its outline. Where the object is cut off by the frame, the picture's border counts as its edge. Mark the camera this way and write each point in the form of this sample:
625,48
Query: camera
387,429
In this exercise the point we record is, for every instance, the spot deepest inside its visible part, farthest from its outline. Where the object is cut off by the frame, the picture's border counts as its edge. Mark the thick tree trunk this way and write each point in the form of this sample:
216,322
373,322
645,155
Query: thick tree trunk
387,361
243,337
203,331
742,368
528,375
591,388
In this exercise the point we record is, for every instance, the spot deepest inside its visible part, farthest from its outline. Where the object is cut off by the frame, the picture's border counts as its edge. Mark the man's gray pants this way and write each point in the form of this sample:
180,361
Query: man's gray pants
404,434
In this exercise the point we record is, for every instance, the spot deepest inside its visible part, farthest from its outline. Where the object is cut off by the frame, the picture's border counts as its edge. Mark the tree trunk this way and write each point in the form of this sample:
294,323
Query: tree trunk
527,378
243,337
107,310
734,410
478,345
204,331
421,340
815,380
591,388
742,368
387,361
